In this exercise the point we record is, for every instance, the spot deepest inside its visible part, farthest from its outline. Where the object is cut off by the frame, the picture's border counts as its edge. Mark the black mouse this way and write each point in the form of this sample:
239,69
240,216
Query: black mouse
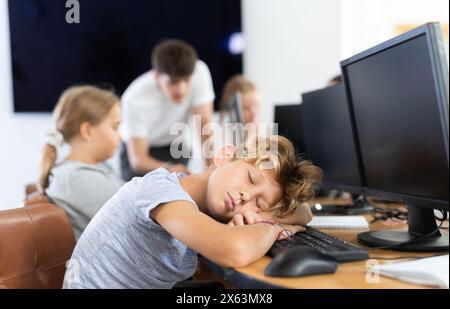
301,261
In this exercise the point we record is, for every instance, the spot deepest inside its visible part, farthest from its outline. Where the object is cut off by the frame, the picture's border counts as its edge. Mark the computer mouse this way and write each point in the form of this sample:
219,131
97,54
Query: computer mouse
301,261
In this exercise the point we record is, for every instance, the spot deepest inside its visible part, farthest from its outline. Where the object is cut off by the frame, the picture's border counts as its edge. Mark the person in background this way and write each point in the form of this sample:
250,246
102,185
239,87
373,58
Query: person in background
148,235
336,80
251,105
178,87
250,98
87,118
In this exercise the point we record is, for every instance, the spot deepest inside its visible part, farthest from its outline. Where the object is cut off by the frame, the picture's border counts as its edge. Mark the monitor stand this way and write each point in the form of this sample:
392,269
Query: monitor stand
421,221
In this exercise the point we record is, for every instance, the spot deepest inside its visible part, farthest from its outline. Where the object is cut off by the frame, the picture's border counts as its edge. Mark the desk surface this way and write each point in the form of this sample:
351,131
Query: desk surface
351,275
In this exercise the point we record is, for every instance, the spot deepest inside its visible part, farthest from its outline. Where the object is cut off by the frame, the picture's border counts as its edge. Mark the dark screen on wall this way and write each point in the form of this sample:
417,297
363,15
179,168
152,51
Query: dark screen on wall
112,44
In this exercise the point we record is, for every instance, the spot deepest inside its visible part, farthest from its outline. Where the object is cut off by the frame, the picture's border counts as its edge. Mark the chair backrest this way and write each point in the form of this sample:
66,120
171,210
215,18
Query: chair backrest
35,198
35,244
31,188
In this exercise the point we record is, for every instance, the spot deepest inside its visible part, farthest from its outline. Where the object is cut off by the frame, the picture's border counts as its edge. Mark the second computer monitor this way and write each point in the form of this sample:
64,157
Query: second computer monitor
328,135
287,117
234,106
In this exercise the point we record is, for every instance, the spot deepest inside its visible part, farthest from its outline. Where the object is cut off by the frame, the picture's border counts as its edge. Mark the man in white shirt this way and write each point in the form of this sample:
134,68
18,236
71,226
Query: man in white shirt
178,87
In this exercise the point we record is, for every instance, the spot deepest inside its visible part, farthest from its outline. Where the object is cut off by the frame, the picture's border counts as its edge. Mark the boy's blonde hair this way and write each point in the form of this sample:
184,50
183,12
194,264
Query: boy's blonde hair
77,105
296,176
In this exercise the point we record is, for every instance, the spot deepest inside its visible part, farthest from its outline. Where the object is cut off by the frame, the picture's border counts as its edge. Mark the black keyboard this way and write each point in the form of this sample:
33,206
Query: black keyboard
342,251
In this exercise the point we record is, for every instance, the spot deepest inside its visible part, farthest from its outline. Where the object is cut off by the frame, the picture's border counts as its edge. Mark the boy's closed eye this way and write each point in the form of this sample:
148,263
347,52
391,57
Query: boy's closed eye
255,177
250,177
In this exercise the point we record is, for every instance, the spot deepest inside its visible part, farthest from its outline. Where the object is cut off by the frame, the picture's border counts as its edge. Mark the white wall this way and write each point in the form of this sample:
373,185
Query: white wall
292,46
21,135
296,45
366,23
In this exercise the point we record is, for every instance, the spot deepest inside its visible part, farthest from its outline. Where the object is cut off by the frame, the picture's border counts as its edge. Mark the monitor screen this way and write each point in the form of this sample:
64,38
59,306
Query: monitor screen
288,119
400,119
234,106
111,45
329,139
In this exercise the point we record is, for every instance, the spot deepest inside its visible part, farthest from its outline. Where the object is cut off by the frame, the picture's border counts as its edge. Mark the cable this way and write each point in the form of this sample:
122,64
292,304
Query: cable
443,219
380,213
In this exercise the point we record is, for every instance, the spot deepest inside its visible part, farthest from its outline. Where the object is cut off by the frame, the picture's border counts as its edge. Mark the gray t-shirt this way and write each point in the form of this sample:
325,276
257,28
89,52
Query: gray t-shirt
81,189
123,247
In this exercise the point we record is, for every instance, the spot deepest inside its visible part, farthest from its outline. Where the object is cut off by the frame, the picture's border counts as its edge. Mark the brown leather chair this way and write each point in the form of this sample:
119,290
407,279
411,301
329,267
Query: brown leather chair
35,244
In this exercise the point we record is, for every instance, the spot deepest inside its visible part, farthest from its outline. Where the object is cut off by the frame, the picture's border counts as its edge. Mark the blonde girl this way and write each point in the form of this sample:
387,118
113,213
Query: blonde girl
87,119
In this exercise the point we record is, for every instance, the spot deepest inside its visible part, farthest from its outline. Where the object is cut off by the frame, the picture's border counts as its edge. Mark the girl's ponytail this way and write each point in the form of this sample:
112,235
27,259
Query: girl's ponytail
47,162
54,139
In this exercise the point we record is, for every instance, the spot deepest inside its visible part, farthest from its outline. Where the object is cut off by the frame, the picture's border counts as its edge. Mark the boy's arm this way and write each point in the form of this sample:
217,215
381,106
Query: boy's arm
228,246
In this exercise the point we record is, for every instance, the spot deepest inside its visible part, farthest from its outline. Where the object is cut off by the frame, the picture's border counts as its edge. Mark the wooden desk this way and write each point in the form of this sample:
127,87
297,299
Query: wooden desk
351,275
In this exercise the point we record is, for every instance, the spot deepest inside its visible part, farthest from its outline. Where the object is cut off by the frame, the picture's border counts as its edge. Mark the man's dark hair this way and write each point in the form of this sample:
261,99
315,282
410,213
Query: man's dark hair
174,58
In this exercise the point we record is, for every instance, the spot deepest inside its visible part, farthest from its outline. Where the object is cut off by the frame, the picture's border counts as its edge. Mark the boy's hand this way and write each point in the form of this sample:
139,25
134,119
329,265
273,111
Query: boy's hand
301,216
293,229
248,217
267,216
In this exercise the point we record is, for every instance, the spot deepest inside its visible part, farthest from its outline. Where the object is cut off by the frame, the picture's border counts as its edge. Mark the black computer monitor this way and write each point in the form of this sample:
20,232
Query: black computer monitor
234,107
328,137
398,95
287,117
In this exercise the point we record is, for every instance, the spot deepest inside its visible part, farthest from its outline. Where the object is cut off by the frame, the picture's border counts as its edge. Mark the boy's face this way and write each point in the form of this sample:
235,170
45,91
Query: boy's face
239,186
174,88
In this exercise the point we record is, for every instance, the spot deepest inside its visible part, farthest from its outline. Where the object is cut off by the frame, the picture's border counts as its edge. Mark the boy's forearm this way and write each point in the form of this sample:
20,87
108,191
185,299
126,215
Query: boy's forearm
228,246
253,241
